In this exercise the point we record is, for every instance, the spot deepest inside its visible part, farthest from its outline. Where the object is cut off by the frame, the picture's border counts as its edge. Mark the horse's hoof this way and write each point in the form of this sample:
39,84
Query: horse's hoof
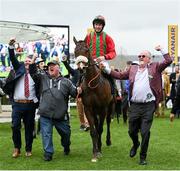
94,160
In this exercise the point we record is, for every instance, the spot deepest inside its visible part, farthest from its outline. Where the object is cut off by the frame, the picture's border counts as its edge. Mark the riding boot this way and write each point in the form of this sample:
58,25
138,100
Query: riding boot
112,84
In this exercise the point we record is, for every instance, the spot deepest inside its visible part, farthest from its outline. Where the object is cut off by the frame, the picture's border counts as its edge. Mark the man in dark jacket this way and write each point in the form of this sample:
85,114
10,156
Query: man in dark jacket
53,107
145,94
173,78
23,92
176,103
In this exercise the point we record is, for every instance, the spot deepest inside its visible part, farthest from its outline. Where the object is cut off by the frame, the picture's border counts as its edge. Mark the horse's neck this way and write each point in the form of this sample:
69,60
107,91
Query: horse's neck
91,72
93,68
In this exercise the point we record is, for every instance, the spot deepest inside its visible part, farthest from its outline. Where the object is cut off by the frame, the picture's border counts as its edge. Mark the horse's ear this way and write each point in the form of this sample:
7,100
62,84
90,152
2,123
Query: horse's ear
74,39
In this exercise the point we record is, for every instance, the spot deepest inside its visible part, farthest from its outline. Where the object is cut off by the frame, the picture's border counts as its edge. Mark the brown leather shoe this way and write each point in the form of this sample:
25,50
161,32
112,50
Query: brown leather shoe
16,153
28,154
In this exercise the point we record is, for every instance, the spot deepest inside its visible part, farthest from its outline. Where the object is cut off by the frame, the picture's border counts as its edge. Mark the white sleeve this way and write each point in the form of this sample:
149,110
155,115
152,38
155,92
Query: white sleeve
107,68
163,52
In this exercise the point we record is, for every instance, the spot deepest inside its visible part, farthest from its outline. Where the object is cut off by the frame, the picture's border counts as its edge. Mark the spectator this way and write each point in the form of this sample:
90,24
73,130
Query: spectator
19,52
145,94
118,84
41,67
166,91
1,95
46,52
176,105
166,86
53,108
23,91
38,48
125,94
3,54
77,75
173,78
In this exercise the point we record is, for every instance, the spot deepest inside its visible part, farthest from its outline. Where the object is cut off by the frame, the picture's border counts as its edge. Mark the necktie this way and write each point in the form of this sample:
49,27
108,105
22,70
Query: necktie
26,85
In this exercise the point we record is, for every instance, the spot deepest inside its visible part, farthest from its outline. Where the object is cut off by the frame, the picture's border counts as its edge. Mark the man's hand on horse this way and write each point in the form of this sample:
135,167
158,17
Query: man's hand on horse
100,59
105,67
79,90
102,66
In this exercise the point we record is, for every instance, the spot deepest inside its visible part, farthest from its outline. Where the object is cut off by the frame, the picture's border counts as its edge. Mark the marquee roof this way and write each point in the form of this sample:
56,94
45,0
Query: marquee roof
23,32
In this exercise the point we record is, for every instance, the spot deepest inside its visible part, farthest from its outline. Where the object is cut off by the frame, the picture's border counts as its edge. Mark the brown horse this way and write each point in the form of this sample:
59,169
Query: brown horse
97,99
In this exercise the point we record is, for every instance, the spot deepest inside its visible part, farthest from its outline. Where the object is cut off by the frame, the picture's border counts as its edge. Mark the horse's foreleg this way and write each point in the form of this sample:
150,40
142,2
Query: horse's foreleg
94,136
100,129
108,121
93,133
108,135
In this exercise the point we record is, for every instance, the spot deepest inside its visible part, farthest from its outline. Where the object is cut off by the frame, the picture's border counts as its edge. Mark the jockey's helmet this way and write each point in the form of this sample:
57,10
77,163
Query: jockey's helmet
99,19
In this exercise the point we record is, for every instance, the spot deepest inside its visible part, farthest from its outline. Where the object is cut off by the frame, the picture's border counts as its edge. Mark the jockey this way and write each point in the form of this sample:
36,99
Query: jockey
101,45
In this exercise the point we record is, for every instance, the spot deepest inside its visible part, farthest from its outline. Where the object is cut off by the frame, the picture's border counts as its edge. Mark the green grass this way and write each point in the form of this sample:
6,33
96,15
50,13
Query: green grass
163,154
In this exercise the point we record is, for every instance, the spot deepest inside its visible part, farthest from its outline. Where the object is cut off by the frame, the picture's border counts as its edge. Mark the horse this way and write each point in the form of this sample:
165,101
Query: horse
97,99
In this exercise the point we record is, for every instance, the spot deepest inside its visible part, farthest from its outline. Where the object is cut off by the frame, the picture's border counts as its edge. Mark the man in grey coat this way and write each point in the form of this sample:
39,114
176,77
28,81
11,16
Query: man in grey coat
53,107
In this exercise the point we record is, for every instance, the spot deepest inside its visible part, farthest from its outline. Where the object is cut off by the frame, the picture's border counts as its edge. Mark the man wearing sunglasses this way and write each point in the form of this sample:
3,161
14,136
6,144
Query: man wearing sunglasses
145,94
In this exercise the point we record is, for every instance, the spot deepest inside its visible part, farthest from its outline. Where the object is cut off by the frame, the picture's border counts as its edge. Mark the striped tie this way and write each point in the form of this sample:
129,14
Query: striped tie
26,85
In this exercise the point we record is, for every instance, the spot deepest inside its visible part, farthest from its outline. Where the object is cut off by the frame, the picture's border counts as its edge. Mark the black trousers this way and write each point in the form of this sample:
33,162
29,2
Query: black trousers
27,113
140,119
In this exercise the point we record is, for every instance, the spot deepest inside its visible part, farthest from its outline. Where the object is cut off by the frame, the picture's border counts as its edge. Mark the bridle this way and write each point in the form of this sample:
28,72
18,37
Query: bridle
90,64
96,76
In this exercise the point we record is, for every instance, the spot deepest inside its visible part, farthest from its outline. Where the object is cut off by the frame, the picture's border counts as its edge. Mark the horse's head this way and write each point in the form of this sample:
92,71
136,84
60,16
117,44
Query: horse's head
81,48
81,53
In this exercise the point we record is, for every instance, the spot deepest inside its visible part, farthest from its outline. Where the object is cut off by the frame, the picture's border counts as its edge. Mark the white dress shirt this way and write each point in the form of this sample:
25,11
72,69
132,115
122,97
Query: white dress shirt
19,93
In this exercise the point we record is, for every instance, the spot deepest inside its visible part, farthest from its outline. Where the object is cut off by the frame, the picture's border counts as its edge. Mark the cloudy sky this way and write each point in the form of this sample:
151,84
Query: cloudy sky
134,25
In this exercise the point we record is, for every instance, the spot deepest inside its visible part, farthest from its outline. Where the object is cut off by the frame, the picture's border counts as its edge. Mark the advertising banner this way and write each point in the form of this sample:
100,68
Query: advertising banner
173,42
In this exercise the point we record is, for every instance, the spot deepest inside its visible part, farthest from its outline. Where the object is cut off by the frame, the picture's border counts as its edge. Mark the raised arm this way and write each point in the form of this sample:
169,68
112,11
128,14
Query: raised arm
167,59
12,57
68,67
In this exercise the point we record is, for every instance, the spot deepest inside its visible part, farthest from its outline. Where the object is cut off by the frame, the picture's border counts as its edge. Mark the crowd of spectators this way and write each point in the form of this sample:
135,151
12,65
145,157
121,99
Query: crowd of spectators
46,49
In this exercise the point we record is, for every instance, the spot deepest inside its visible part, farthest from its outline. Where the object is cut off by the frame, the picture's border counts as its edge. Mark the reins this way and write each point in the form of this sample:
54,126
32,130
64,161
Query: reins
89,83
78,92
